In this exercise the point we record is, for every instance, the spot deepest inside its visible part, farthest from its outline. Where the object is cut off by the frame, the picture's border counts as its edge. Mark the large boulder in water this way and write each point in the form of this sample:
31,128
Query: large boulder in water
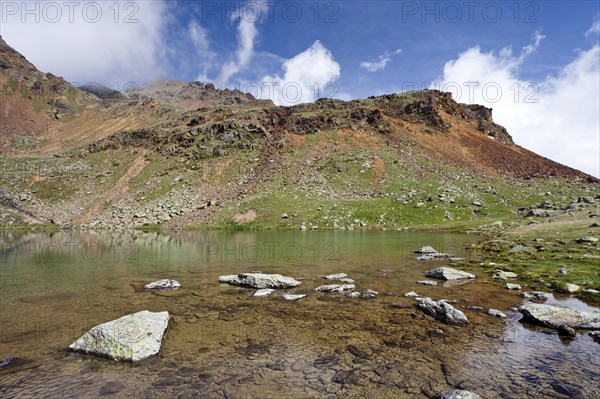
555,317
442,311
259,280
132,338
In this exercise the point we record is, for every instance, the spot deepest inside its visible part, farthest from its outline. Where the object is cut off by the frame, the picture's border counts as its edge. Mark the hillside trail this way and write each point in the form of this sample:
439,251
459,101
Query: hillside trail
120,188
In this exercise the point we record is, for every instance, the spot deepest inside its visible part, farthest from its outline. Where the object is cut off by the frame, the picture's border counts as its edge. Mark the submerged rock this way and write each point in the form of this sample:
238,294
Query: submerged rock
163,285
427,282
460,394
595,335
335,287
555,317
448,273
442,311
132,337
259,280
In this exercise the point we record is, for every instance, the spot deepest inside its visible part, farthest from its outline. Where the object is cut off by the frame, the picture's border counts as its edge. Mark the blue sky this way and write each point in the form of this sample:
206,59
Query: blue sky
539,59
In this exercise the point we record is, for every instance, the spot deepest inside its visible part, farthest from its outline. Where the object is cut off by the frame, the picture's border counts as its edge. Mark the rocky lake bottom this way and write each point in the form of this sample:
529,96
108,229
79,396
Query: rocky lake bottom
224,343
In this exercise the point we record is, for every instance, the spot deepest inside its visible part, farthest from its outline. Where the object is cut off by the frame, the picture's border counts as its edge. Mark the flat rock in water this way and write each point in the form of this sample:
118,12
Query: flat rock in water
448,273
263,292
165,284
554,316
259,280
335,287
131,338
504,275
512,286
293,297
427,282
460,394
426,250
442,311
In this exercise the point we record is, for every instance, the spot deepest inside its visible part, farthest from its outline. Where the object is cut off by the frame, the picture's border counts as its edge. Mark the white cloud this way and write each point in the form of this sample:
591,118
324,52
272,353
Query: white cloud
106,42
307,76
199,38
383,59
248,16
557,117
595,28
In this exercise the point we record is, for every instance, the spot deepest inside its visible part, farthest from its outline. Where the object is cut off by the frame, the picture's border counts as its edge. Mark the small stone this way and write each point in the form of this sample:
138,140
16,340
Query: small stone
520,248
426,250
595,335
502,275
427,282
284,216
496,313
263,292
572,288
460,394
587,240
412,294
566,331
369,294
563,270
535,295
335,288
303,227
293,297
163,285
442,311
354,294
512,286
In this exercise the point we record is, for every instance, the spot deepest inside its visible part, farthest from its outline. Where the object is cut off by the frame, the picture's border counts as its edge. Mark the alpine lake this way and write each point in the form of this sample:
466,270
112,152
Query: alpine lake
224,343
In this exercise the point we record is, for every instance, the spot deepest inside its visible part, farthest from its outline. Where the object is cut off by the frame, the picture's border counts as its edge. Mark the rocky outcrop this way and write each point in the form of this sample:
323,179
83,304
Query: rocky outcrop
259,280
555,317
130,338
442,311
449,273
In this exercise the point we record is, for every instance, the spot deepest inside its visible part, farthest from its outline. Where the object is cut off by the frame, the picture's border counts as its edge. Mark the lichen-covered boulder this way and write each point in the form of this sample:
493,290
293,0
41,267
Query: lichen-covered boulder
132,337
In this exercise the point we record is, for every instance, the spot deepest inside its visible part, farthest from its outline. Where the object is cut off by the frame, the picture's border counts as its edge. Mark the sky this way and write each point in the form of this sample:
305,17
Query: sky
536,63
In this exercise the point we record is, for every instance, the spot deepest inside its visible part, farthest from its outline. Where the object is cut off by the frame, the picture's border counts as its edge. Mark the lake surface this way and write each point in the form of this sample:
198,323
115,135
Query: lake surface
223,343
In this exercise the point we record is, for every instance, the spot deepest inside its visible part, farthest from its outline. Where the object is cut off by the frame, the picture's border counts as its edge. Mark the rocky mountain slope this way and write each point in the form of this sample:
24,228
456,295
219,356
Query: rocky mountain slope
175,154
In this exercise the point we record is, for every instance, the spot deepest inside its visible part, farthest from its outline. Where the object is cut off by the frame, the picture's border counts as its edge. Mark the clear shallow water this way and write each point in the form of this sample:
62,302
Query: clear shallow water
224,343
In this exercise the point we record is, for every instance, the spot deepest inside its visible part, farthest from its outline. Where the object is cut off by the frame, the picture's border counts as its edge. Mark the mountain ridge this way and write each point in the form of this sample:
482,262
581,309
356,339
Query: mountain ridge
243,147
